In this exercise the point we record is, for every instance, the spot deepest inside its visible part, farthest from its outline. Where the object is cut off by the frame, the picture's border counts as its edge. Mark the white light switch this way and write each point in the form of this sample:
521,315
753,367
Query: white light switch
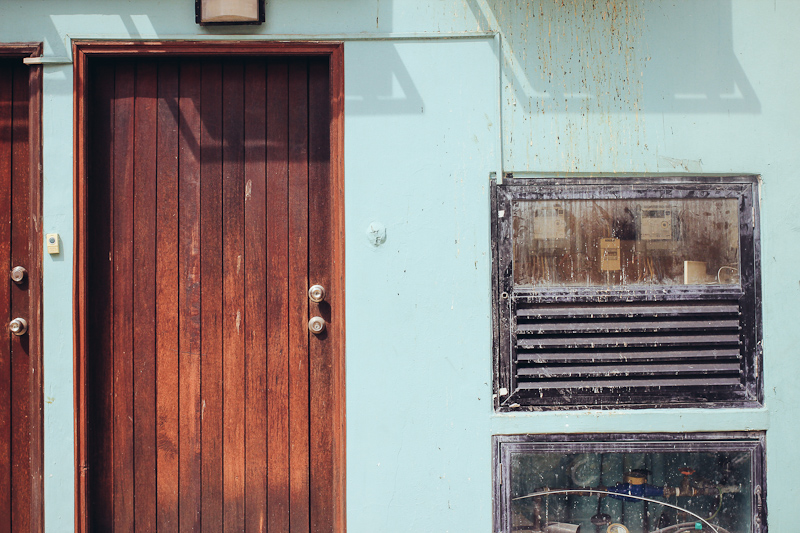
52,243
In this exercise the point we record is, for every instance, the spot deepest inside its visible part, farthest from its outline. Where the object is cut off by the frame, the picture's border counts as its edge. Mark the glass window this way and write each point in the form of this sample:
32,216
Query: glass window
642,487
561,243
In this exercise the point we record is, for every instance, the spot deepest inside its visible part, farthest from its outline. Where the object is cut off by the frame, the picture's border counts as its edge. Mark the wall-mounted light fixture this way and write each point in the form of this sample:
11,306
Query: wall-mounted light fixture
217,12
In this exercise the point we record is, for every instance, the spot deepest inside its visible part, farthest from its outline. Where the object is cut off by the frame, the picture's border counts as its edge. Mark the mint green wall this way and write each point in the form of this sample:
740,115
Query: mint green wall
613,86
418,326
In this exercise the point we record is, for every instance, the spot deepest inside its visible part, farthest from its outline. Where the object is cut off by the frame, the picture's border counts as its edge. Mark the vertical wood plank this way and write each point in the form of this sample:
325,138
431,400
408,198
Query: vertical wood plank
255,292
190,296
338,464
99,361
167,361
34,235
82,92
144,296
233,268
277,305
298,296
20,306
6,99
123,296
212,297
319,266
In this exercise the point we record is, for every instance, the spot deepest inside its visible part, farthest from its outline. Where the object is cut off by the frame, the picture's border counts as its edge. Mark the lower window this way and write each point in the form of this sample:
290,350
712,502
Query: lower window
652,483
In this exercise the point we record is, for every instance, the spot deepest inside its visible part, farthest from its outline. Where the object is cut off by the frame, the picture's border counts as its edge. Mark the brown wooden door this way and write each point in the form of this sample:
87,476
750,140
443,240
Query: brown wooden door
208,402
20,297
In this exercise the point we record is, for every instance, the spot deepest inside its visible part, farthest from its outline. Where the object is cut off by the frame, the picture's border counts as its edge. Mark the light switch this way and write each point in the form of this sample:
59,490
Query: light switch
53,247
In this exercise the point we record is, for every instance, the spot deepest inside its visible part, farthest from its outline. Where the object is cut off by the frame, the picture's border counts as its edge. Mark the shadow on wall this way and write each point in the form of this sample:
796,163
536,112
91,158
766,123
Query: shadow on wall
623,56
52,20
389,90
693,67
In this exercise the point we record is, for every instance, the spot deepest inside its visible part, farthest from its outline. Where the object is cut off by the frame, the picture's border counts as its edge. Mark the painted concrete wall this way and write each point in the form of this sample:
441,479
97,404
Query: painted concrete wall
418,326
610,86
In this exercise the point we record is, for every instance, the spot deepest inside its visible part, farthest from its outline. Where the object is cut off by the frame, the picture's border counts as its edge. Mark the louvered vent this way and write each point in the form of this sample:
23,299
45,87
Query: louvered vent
606,346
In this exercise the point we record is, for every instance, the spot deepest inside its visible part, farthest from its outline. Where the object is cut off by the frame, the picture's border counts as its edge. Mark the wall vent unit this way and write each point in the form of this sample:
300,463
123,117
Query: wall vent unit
631,483
626,292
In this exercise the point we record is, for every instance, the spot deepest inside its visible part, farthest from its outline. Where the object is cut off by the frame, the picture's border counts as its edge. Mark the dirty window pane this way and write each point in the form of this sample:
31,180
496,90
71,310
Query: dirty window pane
626,242
716,486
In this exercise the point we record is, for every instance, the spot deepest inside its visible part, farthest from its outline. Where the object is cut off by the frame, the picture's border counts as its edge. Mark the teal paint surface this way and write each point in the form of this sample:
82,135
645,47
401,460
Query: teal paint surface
57,302
418,152
619,86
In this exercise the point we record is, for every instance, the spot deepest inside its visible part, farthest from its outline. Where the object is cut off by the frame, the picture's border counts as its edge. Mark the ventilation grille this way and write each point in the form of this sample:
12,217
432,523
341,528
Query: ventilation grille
628,345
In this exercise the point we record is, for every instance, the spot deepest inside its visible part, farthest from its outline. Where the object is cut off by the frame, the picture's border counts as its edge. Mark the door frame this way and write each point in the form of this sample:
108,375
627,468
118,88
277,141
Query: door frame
83,52
35,351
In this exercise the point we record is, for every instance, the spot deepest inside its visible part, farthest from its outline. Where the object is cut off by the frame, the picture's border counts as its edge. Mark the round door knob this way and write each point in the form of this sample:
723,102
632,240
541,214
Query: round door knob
316,325
18,274
316,293
18,326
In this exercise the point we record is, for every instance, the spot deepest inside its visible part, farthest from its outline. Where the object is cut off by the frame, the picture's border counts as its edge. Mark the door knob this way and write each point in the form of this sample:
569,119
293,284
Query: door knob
18,326
316,293
18,274
316,325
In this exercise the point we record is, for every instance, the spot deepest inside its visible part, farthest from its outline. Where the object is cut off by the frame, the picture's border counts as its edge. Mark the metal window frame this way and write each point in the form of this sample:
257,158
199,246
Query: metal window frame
753,442
744,187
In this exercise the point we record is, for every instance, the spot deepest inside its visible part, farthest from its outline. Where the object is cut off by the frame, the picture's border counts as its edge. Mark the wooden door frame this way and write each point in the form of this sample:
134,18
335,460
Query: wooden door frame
35,331
83,52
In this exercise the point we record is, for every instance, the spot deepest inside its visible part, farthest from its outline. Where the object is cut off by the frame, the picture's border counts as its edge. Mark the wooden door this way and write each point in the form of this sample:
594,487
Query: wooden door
209,405
20,370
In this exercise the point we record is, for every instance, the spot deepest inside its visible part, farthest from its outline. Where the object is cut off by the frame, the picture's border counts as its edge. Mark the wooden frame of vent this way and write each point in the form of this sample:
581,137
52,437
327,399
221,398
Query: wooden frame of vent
576,371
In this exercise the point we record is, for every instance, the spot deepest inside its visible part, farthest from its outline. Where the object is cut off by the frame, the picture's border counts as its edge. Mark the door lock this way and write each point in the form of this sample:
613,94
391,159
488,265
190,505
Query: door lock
18,326
316,325
18,274
316,293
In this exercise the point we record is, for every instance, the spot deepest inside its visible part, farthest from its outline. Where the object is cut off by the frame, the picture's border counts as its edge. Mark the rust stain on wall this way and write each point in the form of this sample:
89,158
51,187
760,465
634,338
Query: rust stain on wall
573,80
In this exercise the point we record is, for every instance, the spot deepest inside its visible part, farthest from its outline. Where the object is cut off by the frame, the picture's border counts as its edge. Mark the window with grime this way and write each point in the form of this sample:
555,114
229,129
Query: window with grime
639,291
630,484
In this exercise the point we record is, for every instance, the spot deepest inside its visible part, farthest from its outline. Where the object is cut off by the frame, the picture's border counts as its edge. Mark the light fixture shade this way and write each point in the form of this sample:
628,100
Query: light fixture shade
229,11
